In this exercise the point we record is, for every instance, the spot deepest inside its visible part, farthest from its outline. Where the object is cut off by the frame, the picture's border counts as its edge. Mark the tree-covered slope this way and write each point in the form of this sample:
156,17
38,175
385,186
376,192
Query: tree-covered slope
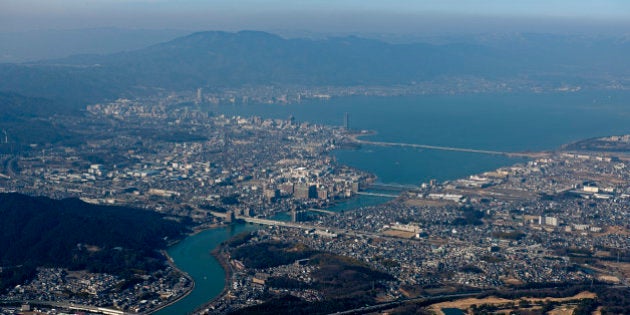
39,231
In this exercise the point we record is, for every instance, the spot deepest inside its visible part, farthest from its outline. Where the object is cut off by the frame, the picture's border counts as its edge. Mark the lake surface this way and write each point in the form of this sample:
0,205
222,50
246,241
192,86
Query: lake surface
503,122
506,122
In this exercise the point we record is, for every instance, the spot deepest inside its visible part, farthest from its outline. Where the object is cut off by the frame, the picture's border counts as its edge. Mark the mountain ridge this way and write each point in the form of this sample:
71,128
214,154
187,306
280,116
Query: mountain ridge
220,59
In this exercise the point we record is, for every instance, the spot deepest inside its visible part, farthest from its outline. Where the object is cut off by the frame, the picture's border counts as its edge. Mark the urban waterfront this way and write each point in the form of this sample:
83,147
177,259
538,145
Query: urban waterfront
218,180
192,255
502,122
528,128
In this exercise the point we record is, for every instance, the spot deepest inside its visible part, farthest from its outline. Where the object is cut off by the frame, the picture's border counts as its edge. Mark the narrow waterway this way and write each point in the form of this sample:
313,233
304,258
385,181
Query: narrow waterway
193,256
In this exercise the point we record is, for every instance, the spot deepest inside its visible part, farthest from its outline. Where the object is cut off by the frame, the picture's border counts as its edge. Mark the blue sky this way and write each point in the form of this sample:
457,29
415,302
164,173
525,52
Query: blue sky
313,15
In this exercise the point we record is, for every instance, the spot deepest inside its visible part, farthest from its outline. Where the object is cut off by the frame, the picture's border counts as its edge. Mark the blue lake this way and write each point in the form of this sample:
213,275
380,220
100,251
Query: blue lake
504,122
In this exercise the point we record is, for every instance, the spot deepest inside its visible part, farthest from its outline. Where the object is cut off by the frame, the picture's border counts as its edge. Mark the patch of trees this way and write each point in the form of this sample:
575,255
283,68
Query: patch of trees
289,304
471,269
470,217
410,309
509,235
345,282
586,307
12,276
271,254
213,208
69,233
230,200
613,300
239,239
340,276
492,258
22,119
539,290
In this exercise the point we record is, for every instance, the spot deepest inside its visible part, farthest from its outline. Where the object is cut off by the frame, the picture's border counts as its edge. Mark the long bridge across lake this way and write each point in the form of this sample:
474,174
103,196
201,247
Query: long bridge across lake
442,148
322,211
392,187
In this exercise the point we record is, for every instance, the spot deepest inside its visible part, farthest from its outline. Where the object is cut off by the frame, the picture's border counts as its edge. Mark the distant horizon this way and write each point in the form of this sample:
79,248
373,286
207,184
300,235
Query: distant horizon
608,28
34,45
431,17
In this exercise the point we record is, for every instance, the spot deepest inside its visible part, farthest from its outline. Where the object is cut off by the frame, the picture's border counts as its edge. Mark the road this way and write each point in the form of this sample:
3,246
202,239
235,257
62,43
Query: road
70,306
354,233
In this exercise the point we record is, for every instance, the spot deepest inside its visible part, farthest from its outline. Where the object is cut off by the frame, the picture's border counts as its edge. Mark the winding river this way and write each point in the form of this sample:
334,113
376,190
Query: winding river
193,256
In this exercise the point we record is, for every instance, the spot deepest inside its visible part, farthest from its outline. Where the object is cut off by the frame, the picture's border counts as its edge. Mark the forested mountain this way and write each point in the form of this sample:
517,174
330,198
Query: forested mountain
39,231
25,120
221,59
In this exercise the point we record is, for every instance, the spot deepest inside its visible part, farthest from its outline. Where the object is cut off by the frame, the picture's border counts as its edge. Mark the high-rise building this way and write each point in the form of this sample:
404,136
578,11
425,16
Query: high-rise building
305,191
198,99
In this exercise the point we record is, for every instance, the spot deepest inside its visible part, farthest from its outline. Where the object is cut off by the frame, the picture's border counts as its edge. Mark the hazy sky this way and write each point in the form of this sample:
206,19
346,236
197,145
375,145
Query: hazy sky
318,15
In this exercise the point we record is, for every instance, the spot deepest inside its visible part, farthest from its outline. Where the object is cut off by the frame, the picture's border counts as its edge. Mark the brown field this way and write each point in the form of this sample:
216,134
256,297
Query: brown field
400,234
512,281
465,304
622,268
563,310
617,230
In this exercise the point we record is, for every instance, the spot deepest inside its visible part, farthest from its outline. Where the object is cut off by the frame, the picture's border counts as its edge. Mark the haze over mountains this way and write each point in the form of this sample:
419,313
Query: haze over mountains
33,45
221,59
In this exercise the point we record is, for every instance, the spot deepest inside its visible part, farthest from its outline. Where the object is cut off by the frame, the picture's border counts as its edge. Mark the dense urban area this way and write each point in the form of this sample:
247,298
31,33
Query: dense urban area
558,219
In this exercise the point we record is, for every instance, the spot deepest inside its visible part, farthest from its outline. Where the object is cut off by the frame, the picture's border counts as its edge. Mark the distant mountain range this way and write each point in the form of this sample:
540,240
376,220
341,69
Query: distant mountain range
47,44
221,59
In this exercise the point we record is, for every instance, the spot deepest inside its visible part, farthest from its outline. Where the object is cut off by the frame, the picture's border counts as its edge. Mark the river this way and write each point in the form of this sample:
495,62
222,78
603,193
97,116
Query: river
192,255
503,122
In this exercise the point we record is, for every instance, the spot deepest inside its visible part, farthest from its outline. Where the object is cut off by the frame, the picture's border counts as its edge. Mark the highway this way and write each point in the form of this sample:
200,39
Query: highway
70,306
303,226
353,233
277,223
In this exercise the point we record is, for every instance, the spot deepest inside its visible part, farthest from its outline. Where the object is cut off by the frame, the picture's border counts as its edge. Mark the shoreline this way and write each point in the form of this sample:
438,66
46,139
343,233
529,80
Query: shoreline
227,270
216,253
171,263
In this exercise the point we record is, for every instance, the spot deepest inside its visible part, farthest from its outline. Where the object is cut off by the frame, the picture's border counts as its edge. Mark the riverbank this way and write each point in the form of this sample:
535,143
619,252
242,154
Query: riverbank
171,263
223,259
193,254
